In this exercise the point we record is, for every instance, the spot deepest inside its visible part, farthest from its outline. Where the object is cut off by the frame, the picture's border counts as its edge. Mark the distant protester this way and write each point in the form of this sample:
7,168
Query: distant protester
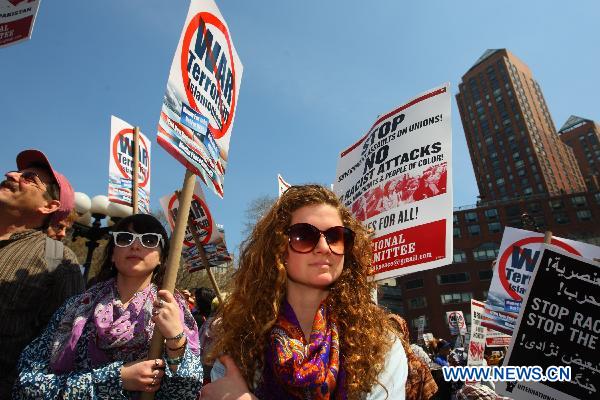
419,383
37,273
96,344
442,350
58,230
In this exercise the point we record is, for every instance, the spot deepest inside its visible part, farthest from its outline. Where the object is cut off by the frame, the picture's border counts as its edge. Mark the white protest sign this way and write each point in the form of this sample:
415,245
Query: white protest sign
518,254
282,185
202,94
397,180
120,177
456,323
16,20
210,234
478,334
559,325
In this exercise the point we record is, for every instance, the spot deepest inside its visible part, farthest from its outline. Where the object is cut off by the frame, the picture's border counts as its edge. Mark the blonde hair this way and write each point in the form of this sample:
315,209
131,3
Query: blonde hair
259,288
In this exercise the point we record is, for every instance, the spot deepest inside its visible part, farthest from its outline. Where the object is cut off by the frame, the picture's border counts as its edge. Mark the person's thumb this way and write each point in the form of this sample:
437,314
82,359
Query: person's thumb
229,364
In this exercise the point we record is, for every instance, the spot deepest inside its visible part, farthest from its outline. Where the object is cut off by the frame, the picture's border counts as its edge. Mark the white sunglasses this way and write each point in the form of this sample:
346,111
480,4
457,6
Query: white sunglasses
148,240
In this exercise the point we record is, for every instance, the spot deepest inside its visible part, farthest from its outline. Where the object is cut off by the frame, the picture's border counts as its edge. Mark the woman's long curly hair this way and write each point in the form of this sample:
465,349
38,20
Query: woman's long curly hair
259,288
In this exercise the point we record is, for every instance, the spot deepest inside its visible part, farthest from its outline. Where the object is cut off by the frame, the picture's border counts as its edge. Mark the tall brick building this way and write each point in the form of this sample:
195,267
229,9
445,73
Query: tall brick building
583,136
514,146
522,167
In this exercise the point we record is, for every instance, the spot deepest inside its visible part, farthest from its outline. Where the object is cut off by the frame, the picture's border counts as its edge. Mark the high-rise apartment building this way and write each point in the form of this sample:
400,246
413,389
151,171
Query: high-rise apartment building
514,146
583,136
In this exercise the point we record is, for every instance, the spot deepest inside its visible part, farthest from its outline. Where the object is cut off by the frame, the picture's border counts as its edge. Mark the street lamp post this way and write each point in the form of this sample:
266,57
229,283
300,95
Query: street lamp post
99,208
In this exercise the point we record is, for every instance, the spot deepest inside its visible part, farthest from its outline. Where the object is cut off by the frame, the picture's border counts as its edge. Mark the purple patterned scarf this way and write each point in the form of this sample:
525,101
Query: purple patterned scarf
118,333
295,369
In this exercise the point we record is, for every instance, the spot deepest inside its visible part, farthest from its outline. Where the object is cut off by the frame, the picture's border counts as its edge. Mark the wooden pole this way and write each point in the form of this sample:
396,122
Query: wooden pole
156,346
205,262
547,237
200,247
136,168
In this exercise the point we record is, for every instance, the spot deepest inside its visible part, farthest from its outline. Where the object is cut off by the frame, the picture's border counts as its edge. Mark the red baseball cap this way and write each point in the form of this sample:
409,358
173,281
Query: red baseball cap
27,158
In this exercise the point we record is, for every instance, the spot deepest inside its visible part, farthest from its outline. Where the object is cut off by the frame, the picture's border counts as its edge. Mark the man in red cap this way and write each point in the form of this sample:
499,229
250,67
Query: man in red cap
34,281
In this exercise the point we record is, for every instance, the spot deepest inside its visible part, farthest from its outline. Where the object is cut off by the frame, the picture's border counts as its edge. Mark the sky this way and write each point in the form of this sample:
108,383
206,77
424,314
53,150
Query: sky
316,76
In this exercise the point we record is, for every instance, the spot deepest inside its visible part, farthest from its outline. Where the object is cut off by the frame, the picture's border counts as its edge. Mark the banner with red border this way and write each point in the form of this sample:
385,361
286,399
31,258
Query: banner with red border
202,93
16,20
397,180
120,168
211,235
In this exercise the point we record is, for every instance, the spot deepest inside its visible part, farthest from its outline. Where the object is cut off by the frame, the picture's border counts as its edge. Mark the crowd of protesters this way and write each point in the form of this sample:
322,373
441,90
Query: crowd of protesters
298,322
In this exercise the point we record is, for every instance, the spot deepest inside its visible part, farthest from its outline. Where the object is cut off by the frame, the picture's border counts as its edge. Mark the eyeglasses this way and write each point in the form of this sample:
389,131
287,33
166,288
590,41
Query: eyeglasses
148,240
30,178
303,238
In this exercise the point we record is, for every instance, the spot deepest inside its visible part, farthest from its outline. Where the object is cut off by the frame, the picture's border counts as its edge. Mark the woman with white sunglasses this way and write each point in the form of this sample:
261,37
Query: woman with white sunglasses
96,345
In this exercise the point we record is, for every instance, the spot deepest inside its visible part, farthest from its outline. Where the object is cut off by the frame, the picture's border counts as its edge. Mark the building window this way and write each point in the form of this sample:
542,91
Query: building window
491,214
456,218
555,204
494,227
456,298
486,275
511,211
456,232
584,215
414,284
457,277
414,323
561,218
474,230
485,294
485,252
460,256
471,216
597,197
578,201
534,207
417,302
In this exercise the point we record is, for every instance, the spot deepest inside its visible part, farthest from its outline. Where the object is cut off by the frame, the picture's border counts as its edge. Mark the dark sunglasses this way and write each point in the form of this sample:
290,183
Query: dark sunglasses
31,178
148,240
303,238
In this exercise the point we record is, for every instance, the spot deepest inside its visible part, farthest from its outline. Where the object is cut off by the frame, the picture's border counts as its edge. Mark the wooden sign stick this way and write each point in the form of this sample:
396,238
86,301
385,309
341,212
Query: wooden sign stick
136,168
156,346
192,228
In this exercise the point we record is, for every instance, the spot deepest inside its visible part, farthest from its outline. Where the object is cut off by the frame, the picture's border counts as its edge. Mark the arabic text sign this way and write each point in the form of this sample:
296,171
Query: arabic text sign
16,21
397,180
559,325
201,97
120,170
517,257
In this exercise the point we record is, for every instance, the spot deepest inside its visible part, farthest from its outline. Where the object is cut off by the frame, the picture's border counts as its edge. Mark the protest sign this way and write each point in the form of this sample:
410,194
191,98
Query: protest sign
397,180
201,97
478,334
420,326
282,185
120,170
16,20
518,254
210,235
559,325
456,323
